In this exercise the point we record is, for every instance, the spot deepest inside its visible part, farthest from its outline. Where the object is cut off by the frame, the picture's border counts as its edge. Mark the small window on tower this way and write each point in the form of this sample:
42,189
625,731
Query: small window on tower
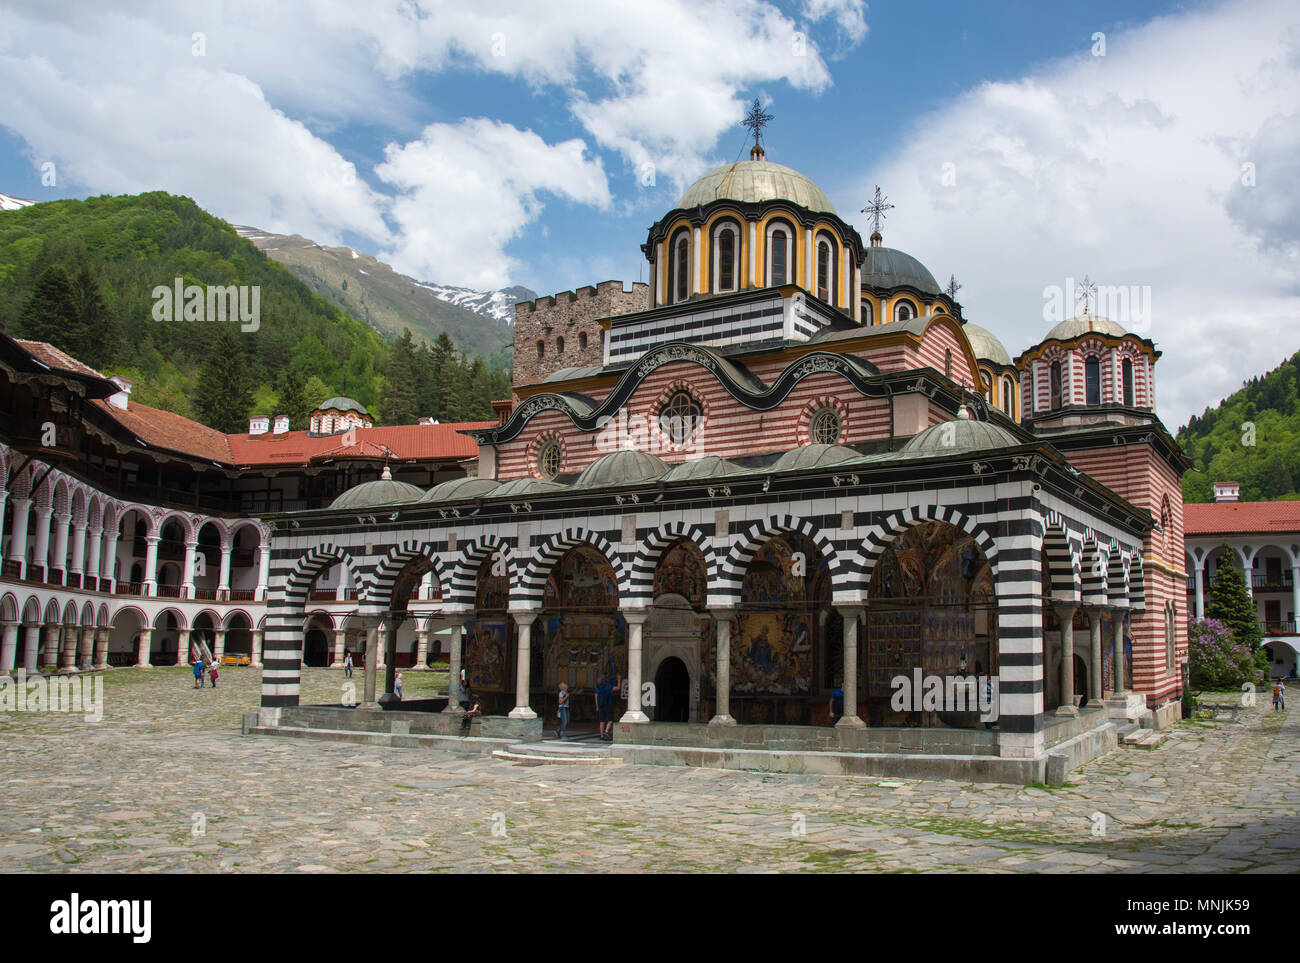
1054,385
824,271
682,268
559,346
904,311
779,256
726,263
866,313
1008,395
947,363
1128,383
1092,381
541,349
582,340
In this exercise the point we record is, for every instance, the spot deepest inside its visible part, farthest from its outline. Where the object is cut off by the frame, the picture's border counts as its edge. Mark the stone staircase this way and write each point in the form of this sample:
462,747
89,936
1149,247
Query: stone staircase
553,753
1135,736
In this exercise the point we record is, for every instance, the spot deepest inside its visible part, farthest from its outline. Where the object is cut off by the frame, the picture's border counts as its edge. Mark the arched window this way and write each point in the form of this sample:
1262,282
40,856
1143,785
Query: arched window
725,259
1129,394
559,346
541,349
824,429
679,417
1092,381
1054,385
824,270
779,255
548,459
681,267
904,311
582,340
1171,614
987,376
867,314
1008,395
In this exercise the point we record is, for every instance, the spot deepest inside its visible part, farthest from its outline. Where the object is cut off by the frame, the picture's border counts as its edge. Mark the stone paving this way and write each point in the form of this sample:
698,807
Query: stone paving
167,783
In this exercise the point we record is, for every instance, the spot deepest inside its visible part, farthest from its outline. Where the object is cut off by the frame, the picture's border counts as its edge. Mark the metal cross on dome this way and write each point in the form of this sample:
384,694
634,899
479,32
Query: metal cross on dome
952,288
876,209
756,120
1085,291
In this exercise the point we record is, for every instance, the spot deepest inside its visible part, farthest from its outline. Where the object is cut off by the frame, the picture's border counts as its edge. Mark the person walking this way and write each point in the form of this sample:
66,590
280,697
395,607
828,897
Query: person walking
347,665
563,712
1279,696
212,674
198,673
837,703
605,710
397,686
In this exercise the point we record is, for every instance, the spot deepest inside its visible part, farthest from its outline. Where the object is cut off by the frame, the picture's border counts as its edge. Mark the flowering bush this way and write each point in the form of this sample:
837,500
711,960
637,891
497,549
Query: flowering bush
1217,661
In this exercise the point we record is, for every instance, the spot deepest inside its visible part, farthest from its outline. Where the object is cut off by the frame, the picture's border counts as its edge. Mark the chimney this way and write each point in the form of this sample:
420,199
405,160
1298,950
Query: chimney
1226,491
122,398
259,425
281,424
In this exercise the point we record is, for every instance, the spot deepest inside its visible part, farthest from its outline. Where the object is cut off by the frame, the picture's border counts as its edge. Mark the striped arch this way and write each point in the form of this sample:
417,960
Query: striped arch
463,586
1062,562
549,553
1117,570
651,551
1092,570
731,572
384,577
308,566
9,608
1136,584
898,522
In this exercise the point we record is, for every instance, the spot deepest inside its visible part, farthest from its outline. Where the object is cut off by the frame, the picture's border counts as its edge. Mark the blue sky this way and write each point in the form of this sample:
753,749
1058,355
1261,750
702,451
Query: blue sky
489,144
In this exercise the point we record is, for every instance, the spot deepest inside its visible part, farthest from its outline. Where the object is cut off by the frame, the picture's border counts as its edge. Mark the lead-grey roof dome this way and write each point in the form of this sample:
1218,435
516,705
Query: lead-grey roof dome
986,345
886,267
810,456
459,488
959,434
1082,324
753,181
375,494
339,403
621,468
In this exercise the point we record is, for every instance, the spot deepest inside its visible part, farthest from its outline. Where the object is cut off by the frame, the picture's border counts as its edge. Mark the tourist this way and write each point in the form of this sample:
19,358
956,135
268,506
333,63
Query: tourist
198,673
605,710
397,686
988,699
347,665
212,674
1279,696
563,712
470,713
837,703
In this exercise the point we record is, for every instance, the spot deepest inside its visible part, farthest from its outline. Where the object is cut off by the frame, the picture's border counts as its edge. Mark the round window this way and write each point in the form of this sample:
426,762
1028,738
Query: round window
680,417
548,460
825,427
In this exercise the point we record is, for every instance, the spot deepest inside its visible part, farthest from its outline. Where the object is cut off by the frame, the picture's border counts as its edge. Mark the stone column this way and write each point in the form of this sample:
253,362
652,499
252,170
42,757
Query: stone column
453,666
77,564
68,649
18,539
1295,594
722,708
1066,614
1118,655
9,647
223,574
524,621
94,547
41,550
50,646
59,550
850,720
263,572
388,643
218,645
187,573
101,649
142,653
381,658
107,580
421,650
1199,575
32,648
256,661
151,564
182,646
635,625
86,652
372,665
1094,663
340,643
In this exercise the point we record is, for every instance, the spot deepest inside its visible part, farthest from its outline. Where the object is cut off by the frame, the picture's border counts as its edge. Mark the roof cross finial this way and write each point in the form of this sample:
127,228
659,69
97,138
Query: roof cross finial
1086,291
952,288
876,208
756,119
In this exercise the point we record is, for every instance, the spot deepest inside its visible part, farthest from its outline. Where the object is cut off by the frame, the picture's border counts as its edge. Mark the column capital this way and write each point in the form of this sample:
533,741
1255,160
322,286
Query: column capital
152,539
524,617
635,616
723,615
854,610
1064,610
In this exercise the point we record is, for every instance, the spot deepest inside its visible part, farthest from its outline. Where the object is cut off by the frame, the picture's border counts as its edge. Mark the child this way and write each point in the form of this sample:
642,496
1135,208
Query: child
397,686
212,674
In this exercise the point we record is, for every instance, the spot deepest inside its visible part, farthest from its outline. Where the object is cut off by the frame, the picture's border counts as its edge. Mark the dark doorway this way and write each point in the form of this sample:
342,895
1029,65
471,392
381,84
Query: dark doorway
1080,680
672,691
315,649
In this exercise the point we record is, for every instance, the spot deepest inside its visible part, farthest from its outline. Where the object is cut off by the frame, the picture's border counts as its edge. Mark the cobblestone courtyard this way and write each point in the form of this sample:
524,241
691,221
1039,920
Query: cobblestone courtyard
122,795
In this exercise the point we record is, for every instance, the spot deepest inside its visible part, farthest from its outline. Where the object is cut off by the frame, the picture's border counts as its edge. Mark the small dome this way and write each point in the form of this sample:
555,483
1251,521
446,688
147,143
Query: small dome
986,345
525,486
810,456
621,468
340,403
710,466
959,434
457,488
886,267
753,181
1083,324
375,494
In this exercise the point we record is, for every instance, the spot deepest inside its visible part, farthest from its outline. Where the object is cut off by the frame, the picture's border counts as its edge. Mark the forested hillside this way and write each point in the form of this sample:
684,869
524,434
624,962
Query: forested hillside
81,274
1252,437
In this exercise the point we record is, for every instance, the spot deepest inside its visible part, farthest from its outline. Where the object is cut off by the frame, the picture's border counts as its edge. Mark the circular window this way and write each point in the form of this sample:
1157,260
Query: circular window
825,427
548,460
680,417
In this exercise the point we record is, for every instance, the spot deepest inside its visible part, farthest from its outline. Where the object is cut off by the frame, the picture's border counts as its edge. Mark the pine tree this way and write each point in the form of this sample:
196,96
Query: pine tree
397,404
1230,603
293,399
224,392
51,315
99,332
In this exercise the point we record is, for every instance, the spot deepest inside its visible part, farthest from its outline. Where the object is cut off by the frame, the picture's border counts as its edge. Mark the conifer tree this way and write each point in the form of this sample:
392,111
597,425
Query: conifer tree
397,405
224,392
98,330
51,314
294,401
1230,604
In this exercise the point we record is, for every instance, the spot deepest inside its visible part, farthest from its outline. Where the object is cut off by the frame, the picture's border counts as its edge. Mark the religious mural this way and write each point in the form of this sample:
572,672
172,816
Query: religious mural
932,608
488,645
681,572
580,637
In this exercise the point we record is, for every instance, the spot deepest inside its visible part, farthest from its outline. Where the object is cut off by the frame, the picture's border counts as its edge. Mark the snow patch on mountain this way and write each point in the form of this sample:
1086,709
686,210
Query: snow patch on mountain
10,203
499,305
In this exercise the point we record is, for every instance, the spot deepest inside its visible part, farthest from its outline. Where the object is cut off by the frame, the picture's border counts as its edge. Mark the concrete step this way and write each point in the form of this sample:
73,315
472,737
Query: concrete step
1144,738
558,753
464,745
1125,729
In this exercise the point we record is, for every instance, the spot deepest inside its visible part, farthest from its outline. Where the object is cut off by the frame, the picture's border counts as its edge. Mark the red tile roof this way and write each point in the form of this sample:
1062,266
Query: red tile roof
406,442
164,429
1221,518
55,358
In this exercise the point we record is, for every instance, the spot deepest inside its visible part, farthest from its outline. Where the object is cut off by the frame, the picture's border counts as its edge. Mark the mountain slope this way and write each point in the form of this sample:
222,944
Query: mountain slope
479,323
1251,437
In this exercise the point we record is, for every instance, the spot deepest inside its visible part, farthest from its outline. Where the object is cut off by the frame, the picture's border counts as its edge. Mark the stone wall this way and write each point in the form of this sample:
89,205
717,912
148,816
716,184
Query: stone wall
566,326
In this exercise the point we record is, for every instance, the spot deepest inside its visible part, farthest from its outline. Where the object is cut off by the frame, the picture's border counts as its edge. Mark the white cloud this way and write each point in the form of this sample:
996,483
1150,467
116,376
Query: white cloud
466,190
1120,167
